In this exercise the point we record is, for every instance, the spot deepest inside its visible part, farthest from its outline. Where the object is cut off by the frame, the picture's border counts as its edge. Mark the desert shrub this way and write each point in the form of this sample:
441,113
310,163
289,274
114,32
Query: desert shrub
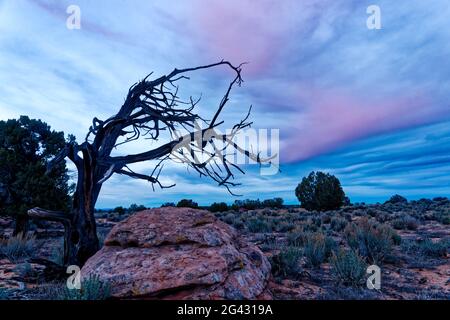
383,217
318,247
187,203
316,221
397,199
246,204
310,227
348,268
296,238
284,226
273,203
270,244
326,219
119,210
372,240
4,294
372,212
338,224
432,249
101,235
218,207
18,247
238,224
421,251
168,204
91,289
396,239
286,262
320,191
441,199
229,218
136,208
442,217
256,225
403,223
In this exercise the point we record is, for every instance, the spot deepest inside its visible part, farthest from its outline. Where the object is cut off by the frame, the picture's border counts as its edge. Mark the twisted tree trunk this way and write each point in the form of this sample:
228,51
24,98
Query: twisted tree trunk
83,240
151,107
80,232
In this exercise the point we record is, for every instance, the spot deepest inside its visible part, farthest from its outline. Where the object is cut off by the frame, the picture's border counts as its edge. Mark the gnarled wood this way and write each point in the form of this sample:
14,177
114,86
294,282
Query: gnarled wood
57,216
150,108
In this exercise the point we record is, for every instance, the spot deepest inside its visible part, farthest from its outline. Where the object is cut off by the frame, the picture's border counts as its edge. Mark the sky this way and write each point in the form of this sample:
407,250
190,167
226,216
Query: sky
367,105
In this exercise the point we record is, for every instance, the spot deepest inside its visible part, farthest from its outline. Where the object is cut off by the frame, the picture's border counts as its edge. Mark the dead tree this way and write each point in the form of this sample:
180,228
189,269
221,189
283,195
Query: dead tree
151,108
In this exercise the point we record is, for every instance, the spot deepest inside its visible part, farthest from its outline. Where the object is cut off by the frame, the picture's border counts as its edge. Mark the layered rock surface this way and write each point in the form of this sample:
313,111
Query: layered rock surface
179,253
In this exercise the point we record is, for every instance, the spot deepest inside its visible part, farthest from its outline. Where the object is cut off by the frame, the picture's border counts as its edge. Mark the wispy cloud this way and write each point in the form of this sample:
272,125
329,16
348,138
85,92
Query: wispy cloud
361,103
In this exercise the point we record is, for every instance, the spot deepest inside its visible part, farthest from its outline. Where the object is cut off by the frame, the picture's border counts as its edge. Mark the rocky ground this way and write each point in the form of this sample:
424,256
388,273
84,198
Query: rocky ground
309,252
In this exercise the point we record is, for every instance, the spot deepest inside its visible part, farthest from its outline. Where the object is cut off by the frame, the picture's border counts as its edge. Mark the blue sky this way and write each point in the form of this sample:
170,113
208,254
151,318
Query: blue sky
370,106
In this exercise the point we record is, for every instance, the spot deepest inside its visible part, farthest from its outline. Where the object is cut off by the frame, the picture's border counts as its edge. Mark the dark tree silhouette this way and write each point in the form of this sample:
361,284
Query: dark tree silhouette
26,146
150,108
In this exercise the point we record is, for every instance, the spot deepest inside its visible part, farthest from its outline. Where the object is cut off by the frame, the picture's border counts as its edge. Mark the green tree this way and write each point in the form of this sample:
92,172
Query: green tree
26,146
218,207
320,191
188,203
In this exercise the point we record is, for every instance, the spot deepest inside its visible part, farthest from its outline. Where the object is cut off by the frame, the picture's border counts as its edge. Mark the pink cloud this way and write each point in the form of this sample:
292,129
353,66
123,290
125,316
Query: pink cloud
257,32
58,11
332,118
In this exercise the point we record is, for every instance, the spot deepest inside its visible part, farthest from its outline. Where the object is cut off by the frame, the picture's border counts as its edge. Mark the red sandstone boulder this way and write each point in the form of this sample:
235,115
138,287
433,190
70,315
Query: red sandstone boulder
179,253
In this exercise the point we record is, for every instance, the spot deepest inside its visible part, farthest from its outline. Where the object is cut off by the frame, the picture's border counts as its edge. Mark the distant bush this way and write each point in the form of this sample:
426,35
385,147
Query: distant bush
91,289
119,210
135,208
273,203
403,223
436,249
168,204
4,294
348,268
218,207
188,203
18,247
320,191
372,240
249,204
286,263
397,199
246,204
442,216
